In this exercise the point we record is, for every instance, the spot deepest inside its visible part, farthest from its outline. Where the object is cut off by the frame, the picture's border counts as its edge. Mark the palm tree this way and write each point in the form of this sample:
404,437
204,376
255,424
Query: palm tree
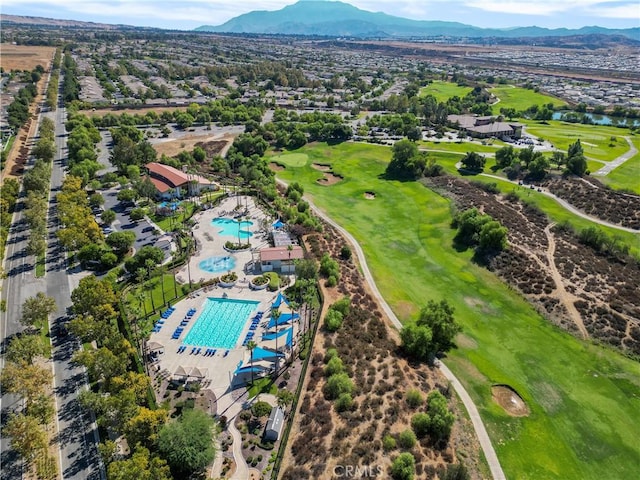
250,346
289,249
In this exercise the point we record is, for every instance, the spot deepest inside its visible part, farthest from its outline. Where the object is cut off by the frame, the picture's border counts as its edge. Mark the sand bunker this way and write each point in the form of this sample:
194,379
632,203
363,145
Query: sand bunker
329,179
275,167
370,195
509,400
321,167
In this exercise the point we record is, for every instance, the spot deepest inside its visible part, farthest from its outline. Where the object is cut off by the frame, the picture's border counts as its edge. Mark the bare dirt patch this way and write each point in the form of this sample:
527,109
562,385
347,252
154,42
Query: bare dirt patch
211,144
370,195
321,167
276,167
25,57
329,179
509,400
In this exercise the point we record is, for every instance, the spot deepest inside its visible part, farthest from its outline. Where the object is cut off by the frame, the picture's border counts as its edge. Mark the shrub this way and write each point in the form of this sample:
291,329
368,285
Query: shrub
403,467
345,252
414,398
388,442
331,282
261,409
344,402
334,366
407,439
331,352
333,320
343,306
421,424
337,385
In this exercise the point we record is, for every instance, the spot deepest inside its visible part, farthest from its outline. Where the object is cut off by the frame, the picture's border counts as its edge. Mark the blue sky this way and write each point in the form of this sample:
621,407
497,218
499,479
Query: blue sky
188,14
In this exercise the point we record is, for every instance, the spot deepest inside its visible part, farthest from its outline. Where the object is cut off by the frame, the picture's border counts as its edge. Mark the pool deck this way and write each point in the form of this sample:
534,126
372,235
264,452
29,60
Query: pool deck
219,368
210,244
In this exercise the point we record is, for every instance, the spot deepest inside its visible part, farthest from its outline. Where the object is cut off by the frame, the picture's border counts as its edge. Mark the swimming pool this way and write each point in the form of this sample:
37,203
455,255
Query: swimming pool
232,228
170,205
220,323
217,264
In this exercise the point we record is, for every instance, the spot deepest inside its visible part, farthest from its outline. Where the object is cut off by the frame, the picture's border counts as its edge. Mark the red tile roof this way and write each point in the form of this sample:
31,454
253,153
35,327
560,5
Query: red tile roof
281,253
173,176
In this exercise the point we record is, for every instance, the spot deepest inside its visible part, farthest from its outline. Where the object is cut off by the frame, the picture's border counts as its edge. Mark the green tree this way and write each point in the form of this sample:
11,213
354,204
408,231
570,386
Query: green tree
333,320
36,310
577,164
91,294
284,398
334,365
127,195
137,214
493,236
144,428
28,438
141,466
473,161
261,409
96,200
505,156
416,341
420,423
403,467
406,161
440,418
439,318
27,381
121,242
108,217
25,348
337,385
187,444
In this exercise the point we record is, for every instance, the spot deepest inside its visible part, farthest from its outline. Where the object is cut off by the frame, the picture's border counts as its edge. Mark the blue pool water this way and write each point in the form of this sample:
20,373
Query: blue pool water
220,323
217,264
232,228
171,205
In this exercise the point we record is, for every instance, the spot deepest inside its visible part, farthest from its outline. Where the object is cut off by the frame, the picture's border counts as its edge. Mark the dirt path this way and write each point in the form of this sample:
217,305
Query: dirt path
565,297
474,414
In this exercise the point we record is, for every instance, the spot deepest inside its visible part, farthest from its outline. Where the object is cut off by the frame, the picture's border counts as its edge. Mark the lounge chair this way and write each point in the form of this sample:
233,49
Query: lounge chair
226,353
193,350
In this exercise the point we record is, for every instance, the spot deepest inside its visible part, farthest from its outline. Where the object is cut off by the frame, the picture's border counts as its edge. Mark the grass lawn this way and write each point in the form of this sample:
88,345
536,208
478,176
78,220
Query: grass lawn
626,176
443,91
582,397
40,266
595,139
291,159
521,98
153,290
263,385
169,223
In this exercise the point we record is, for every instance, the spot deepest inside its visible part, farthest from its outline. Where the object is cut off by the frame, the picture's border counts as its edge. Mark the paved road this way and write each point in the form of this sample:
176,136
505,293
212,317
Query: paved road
19,284
474,415
77,432
606,170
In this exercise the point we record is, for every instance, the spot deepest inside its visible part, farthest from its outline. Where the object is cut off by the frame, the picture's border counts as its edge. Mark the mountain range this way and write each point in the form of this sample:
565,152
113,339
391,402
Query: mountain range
339,19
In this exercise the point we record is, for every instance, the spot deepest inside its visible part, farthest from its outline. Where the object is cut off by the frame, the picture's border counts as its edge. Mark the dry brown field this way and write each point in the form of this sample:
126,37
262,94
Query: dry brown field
25,57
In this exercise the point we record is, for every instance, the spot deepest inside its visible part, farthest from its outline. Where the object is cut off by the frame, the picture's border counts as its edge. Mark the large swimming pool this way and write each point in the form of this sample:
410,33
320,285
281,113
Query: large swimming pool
232,228
217,264
220,323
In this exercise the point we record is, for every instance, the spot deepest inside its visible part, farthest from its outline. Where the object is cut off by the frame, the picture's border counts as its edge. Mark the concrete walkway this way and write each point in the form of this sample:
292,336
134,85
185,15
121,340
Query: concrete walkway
474,415
606,170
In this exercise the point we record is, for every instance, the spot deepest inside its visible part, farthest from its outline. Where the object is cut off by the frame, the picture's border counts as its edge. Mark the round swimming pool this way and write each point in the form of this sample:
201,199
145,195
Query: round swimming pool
217,264
233,228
